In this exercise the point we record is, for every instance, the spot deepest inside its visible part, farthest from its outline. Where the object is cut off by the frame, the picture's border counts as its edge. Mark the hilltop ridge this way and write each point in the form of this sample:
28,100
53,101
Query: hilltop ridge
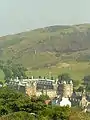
47,45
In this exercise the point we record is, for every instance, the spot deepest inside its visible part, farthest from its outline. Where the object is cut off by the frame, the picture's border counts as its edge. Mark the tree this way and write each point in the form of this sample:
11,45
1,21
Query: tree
18,70
1,83
8,62
8,73
52,78
1,64
56,113
43,98
76,83
40,77
18,116
11,69
14,101
64,77
86,80
80,89
60,113
17,105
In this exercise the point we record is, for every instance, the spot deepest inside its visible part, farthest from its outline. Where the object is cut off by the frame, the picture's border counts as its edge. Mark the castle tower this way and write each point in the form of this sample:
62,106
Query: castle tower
65,89
84,102
31,89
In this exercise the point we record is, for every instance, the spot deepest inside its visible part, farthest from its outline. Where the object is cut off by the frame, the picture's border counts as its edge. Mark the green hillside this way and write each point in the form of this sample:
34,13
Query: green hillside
77,70
46,47
1,76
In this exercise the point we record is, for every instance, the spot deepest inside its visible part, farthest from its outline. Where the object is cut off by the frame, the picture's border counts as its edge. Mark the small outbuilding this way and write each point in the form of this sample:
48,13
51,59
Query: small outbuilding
65,102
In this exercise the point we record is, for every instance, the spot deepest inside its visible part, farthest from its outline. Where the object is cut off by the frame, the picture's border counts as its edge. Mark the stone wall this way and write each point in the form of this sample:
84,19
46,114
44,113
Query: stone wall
50,93
30,91
67,90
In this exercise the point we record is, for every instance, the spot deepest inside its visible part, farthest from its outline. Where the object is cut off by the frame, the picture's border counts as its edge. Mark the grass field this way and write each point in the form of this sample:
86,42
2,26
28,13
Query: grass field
77,70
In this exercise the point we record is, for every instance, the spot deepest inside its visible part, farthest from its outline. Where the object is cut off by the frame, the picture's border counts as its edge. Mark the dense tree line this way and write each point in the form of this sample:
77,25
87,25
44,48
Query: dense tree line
18,116
14,104
17,106
78,86
12,70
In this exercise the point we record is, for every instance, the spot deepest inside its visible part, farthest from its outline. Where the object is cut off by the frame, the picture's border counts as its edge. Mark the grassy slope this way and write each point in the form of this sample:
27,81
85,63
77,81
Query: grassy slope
77,70
69,42
53,39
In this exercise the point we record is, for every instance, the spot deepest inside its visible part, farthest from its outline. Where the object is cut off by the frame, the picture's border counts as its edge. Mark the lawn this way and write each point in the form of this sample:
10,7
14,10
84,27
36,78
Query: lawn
77,70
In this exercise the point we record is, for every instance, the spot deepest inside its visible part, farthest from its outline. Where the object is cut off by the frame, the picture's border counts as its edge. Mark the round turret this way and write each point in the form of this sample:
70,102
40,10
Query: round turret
71,82
64,82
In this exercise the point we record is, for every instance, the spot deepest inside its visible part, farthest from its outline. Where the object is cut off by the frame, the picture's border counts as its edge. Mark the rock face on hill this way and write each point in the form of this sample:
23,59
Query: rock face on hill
47,45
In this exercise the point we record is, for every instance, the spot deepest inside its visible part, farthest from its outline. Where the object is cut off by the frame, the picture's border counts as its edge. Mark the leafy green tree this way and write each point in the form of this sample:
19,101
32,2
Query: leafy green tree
56,113
40,77
18,70
80,89
52,78
3,110
1,82
8,62
11,69
64,77
8,73
1,64
43,98
13,102
76,83
60,113
18,116
86,82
